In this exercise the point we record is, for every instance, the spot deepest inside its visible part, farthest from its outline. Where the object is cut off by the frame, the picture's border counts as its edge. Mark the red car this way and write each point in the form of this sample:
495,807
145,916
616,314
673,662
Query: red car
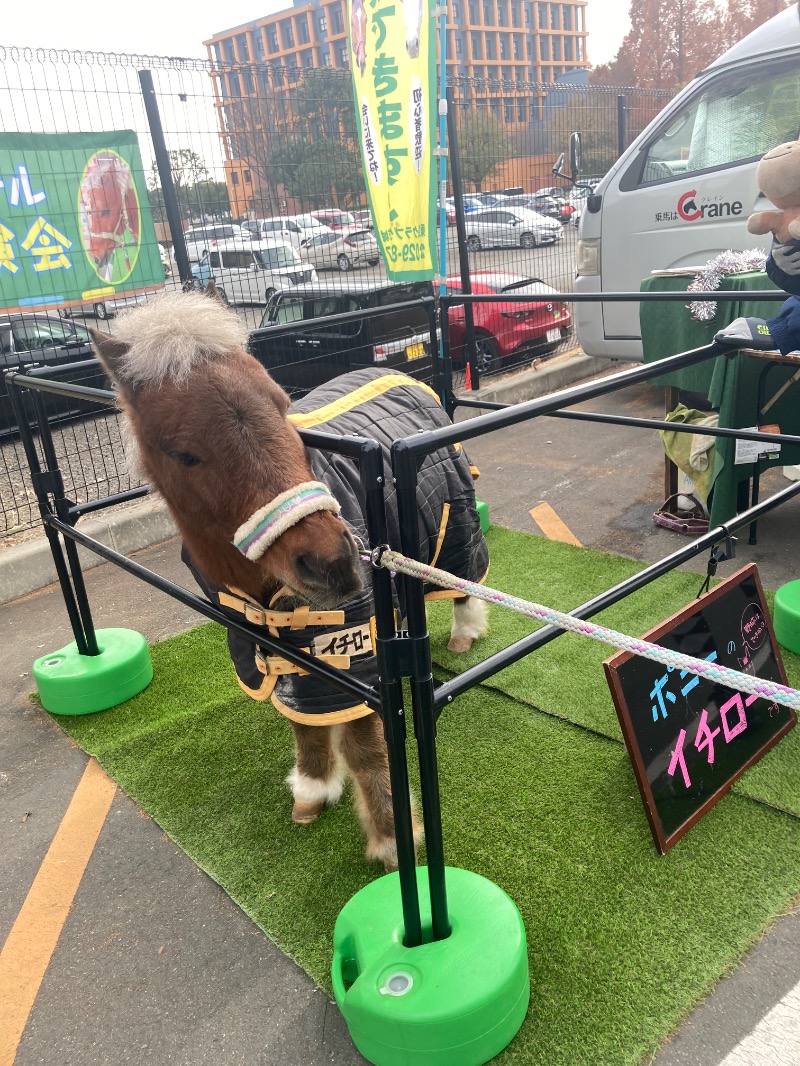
505,329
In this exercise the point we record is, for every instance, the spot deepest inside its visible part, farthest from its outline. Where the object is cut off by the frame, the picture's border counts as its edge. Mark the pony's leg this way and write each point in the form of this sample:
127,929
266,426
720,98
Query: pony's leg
470,621
364,750
317,777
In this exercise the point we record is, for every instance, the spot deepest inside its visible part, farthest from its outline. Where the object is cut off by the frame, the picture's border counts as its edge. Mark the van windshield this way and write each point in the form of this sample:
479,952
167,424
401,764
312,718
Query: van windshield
270,258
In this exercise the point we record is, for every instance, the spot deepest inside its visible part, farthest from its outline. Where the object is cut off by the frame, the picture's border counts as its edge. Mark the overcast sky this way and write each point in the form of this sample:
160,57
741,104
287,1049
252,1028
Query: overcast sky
178,28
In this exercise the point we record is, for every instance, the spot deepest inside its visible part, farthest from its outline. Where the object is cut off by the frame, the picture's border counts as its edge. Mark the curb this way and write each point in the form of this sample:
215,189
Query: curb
29,567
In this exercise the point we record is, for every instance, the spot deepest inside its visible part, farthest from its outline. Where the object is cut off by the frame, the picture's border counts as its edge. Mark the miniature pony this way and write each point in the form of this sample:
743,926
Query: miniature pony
269,528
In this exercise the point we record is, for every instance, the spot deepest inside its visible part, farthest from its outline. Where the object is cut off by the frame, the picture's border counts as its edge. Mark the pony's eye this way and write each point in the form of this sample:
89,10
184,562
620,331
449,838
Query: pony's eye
185,458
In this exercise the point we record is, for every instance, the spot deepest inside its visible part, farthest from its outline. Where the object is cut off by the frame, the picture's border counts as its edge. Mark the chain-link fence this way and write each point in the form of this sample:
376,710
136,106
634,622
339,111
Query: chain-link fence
267,176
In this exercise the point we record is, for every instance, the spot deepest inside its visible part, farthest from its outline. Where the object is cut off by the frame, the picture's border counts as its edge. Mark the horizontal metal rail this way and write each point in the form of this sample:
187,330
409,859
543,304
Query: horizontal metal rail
743,295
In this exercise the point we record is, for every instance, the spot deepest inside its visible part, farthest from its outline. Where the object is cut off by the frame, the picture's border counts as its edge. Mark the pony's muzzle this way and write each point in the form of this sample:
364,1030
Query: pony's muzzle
330,579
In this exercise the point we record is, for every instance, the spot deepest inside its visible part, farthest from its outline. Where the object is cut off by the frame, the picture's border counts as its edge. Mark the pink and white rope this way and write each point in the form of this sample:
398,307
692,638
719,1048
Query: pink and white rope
723,675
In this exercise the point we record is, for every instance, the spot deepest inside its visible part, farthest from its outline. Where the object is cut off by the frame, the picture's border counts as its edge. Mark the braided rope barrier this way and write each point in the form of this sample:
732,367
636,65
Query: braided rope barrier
723,675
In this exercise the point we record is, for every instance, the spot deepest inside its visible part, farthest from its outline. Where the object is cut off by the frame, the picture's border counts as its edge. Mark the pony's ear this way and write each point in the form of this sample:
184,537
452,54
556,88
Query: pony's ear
109,351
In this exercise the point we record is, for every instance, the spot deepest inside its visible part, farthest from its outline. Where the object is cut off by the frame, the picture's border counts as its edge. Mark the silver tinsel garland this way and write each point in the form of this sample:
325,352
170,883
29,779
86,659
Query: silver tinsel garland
710,278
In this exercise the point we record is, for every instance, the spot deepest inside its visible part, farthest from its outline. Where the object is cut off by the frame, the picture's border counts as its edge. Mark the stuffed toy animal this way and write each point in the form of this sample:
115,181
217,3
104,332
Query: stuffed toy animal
778,176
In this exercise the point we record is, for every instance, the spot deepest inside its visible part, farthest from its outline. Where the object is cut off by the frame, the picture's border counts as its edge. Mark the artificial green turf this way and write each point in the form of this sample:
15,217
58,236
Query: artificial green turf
622,942
565,677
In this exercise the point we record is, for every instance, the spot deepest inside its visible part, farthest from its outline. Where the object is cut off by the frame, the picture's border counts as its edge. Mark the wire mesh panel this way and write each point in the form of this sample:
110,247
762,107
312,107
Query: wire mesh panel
271,204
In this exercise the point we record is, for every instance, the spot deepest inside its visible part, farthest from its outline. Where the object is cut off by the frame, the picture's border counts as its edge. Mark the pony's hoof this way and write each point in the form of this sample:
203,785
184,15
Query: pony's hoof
305,813
460,644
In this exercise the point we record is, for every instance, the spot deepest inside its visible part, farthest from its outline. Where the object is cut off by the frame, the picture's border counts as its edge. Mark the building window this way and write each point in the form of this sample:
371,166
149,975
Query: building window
474,14
229,54
303,35
568,49
233,80
521,111
456,12
544,47
502,14
322,23
566,17
554,17
247,179
234,177
508,112
342,53
326,58
542,16
247,81
459,47
477,46
488,14
557,48
244,51
515,15
337,20
258,42
579,50
272,39
491,46
504,51
308,59
517,47
288,34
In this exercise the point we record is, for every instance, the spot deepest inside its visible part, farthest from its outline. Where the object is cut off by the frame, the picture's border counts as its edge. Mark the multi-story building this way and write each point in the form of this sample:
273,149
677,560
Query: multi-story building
507,42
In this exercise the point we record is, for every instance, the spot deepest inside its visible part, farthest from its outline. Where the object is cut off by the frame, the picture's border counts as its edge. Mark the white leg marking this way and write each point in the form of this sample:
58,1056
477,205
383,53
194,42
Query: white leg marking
470,621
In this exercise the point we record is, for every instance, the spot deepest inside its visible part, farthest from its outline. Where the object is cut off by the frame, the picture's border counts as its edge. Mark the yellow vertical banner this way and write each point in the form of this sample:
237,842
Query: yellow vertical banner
393,61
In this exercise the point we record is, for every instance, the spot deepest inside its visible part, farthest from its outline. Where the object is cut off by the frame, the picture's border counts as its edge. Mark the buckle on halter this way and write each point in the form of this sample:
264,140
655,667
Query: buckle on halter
256,616
376,554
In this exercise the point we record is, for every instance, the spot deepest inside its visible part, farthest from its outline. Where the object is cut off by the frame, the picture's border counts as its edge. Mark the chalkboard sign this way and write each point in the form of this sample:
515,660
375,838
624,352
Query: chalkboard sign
690,738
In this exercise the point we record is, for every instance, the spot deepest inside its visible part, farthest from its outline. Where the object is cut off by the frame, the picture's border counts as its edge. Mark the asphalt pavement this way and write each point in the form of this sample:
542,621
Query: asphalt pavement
152,963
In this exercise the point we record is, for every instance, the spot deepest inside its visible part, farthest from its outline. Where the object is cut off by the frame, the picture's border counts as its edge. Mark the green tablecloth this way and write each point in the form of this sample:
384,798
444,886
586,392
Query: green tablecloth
729,383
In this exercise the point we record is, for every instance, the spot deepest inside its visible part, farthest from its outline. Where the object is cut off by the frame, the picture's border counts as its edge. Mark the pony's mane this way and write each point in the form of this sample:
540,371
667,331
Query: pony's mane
171,334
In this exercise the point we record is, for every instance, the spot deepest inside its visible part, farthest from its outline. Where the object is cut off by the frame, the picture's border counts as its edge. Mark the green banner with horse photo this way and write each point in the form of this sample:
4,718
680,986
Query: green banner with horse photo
75,223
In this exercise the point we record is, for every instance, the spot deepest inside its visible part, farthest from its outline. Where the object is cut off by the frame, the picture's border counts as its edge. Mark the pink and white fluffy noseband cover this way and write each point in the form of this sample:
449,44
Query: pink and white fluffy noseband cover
262,529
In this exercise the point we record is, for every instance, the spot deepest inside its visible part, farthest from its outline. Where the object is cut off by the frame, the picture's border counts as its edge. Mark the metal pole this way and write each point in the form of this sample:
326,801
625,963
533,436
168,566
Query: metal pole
461,234
422,696
371,470
165,176
621,134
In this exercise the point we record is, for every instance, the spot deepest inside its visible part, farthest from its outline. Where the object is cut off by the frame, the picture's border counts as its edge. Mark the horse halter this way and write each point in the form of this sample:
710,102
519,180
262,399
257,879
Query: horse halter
263,528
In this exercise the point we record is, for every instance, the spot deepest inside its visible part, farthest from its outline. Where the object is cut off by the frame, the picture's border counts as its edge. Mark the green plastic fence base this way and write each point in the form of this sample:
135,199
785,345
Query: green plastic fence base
453,1002
786,616
483,514
71,683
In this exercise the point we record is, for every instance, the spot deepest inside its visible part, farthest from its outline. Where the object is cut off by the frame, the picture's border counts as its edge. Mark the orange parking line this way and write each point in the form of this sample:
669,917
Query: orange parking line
551,525
34,935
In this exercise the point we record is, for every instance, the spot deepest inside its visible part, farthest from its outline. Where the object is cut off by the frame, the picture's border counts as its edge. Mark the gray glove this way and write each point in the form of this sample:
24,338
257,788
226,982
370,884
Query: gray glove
746,333
786,256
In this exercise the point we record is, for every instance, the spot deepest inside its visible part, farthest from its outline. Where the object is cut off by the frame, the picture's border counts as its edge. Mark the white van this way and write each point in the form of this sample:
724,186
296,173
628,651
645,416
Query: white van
251,272
294,229
682,193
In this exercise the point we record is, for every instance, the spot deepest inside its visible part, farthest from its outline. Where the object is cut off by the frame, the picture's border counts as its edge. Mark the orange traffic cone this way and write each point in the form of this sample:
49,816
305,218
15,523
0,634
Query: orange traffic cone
469,378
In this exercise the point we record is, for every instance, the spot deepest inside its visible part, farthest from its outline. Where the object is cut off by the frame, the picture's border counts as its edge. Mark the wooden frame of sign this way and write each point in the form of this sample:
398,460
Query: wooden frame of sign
689,738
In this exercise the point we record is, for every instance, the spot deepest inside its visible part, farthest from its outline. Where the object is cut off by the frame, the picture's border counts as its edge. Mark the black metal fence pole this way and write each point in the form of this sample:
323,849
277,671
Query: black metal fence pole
422,695
165,176
372,475
461,234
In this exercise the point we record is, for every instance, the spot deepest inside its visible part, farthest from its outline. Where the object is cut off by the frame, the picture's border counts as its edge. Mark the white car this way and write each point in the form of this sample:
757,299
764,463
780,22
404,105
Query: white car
200,239
250,272
515,227
342,250
293,229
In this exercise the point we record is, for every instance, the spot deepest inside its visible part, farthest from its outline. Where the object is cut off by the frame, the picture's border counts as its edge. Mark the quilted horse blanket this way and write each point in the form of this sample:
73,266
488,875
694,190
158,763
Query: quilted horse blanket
384,406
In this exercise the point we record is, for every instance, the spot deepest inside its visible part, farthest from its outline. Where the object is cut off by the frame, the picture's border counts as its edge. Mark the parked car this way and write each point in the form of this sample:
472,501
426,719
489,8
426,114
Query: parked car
200,238
364,218
491,199
507,329
251,272
294,229
166,260
471,203
46,339
308,355
510,227
342,250
334,218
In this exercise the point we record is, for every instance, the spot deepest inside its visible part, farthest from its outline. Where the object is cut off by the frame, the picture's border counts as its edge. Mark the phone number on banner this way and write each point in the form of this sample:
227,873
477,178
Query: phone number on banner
408,253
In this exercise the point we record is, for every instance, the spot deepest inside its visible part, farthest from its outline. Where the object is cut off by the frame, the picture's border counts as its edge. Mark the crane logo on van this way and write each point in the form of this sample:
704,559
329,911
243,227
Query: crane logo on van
690,207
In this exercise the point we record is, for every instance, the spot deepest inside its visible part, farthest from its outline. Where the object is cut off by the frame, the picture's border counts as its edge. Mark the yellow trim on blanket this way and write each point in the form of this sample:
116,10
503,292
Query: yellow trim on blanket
349,714
452,594
306,419
261,694
442,530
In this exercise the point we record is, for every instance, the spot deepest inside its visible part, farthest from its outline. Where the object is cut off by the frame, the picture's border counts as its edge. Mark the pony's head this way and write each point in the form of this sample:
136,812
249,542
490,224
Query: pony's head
212,434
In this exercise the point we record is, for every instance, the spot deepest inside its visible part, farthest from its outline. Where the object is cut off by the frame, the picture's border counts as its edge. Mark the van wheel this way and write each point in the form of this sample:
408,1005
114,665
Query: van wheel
527,240
269,294
373,262
343,262
474,243
101,311
222,296
485,354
